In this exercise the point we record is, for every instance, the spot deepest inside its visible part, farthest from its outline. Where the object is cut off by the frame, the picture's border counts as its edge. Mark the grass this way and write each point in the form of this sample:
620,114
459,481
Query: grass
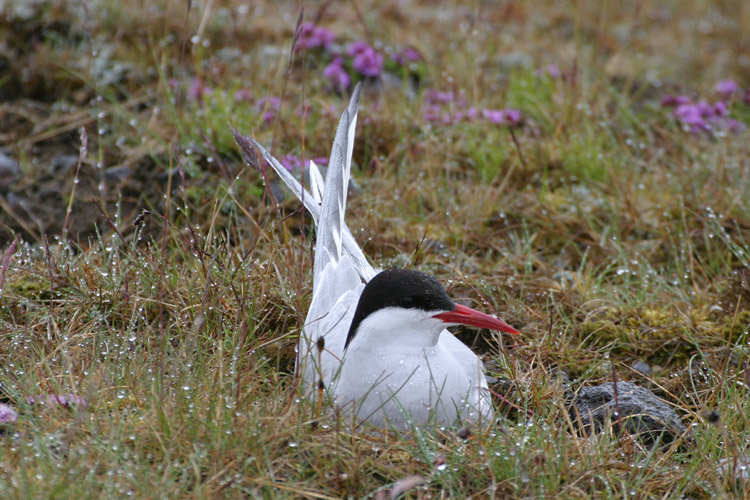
600,228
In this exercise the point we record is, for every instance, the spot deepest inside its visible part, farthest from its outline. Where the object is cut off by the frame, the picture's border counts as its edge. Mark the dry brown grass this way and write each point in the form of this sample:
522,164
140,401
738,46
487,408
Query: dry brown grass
606,233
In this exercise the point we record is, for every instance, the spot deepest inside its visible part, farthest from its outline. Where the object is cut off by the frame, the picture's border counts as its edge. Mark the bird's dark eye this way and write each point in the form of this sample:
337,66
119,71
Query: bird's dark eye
406,302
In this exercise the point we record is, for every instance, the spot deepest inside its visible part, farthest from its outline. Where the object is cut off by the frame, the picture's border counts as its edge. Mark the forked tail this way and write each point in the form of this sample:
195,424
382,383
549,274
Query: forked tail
333,236
330,224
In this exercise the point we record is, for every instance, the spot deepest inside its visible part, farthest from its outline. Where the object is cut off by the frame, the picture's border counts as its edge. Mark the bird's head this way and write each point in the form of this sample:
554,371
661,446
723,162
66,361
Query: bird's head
402,302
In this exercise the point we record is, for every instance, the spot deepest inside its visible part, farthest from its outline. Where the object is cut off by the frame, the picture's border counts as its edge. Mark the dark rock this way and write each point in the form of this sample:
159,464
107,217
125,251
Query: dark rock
642,367
641,413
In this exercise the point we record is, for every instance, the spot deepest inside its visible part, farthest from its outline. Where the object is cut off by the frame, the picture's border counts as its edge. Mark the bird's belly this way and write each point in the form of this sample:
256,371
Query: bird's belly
416,388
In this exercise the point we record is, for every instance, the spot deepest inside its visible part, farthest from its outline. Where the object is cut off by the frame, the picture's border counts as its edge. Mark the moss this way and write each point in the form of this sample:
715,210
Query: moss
735,326
29,289
657,334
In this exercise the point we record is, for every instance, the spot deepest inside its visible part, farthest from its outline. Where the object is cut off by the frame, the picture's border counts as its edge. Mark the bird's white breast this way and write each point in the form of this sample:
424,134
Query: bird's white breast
397,381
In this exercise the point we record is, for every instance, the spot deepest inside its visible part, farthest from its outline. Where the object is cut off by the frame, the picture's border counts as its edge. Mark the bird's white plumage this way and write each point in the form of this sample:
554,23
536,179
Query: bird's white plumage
419,373
401,369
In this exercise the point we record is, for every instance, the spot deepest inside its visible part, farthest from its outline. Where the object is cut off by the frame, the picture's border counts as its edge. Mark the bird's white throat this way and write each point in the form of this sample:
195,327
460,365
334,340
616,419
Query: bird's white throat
395,329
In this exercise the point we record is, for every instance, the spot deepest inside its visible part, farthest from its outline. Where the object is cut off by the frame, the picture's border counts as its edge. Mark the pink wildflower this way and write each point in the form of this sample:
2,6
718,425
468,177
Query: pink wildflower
291,162
269,106
406,56
670,101
198,89
242,95
65,401
510,117
311,36
727,87
367,60
553,71
7,414
337,75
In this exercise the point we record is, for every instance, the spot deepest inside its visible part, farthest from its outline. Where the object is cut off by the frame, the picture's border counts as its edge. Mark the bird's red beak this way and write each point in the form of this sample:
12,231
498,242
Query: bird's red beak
463,315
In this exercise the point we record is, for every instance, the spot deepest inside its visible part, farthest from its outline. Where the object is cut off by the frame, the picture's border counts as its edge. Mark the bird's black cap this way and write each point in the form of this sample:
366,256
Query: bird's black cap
399,288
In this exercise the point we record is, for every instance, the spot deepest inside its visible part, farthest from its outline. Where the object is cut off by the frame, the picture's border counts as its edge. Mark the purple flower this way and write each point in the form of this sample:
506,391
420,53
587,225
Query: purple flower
513,116
431,113
331,110
705,109
242,95
271,102
367,60
721,109
438,97
7,414
468,115
311,36
405,56
727,87
553,71
291,162
337,75
691,116
357,48
65,401
701,117
734,126
198,89
494,115
269,106
670,101
509,116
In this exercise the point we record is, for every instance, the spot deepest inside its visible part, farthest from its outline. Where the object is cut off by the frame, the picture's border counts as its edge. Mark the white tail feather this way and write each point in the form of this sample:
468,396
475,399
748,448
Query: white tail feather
330,228
311,201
